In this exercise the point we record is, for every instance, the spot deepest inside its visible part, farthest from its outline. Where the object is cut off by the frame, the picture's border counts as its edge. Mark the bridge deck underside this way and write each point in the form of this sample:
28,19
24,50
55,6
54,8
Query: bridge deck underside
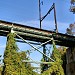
36,34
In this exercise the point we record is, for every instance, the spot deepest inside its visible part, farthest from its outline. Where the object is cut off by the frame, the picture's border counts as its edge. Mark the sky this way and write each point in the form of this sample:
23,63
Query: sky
26,12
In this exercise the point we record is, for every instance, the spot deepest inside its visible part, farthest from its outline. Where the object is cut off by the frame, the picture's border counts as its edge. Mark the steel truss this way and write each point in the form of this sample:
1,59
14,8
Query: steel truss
35,48
45,57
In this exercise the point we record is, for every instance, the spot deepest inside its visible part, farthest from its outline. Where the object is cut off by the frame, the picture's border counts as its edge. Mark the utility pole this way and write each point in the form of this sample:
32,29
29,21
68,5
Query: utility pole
42,18
40,13
55,18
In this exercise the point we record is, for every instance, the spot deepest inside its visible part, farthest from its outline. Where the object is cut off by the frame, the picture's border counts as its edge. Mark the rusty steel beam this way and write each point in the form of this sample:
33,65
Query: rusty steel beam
36,34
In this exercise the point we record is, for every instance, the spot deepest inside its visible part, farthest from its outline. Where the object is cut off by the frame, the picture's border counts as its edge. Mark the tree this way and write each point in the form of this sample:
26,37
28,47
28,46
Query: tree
56,66
13,64
62,51
27,66
55,69
11,58
71,29
1,70
72,1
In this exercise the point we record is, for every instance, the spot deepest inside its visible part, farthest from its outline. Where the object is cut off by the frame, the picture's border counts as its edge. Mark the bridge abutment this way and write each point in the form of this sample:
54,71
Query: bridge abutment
70,56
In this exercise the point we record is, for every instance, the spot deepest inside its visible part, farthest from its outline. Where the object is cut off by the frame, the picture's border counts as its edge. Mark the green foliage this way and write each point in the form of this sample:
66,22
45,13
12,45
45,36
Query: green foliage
42,65
11,59
57,56
1,68
13,64
26,68
56,66
62,51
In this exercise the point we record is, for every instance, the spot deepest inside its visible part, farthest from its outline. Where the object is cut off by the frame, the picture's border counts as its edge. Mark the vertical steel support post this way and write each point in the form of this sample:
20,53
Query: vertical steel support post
55,18
44,51
40,13
0,58
45,66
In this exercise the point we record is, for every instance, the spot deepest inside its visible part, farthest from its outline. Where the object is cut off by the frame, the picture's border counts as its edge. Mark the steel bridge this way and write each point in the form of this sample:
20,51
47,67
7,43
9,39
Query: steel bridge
36,34
25,32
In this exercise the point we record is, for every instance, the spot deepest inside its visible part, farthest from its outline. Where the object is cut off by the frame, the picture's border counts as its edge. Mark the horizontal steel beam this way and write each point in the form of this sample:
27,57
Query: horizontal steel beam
36,34
36,62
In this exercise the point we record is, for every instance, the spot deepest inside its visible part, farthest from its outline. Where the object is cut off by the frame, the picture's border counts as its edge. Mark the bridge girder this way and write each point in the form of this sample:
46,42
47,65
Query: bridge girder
36,34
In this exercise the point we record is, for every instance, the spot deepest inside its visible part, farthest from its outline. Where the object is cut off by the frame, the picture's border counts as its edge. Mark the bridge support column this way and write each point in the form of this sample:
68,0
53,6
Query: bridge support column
45,66
70,66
